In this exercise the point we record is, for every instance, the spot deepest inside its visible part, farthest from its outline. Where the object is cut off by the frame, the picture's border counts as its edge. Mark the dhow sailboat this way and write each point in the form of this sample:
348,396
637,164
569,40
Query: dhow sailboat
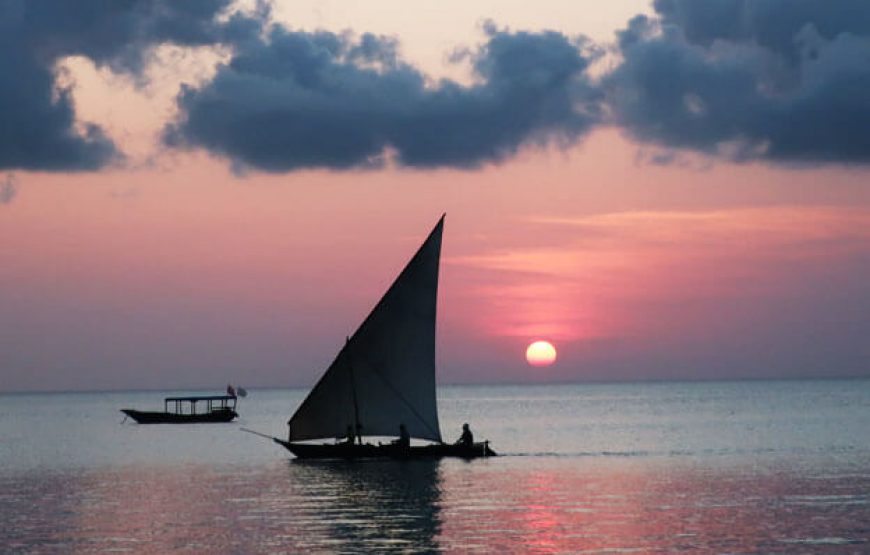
383,379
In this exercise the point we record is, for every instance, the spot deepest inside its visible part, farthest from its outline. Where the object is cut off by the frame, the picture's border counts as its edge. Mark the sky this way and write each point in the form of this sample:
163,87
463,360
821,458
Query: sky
213,191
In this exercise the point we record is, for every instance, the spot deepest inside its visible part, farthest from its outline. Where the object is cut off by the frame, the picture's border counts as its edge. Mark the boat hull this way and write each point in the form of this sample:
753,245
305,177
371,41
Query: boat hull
148,417
369,451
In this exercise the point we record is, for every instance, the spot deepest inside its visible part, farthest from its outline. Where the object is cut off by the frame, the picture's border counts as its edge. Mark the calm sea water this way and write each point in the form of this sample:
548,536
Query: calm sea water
736,467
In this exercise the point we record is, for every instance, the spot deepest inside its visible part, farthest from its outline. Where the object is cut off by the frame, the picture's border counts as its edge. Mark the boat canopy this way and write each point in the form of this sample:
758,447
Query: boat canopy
203,398
384,376
188,405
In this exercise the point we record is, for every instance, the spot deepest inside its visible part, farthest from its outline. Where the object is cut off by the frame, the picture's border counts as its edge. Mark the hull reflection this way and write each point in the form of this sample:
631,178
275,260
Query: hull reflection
374,505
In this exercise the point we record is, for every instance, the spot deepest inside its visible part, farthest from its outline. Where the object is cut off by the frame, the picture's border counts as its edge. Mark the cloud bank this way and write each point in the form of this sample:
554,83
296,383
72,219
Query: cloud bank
786,81
37,121
299,100
780,80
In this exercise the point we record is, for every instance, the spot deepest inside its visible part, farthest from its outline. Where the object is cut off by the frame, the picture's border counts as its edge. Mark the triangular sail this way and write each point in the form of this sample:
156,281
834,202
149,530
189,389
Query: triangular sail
385,374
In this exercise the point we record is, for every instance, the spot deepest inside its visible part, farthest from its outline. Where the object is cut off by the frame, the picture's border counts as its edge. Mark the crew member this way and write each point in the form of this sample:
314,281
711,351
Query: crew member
404,440
467,438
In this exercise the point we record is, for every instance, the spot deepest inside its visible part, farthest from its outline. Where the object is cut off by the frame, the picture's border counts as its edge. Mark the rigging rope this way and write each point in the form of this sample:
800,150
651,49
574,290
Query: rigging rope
435,433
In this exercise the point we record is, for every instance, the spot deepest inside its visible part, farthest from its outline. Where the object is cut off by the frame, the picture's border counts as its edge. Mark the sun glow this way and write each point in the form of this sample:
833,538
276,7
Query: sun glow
541,353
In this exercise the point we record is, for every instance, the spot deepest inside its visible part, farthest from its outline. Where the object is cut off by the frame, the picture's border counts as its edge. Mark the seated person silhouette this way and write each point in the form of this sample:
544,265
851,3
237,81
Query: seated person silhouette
467,438
404,440
350,436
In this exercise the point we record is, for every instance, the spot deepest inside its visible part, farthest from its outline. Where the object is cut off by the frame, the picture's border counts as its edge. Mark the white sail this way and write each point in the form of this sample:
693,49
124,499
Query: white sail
385,374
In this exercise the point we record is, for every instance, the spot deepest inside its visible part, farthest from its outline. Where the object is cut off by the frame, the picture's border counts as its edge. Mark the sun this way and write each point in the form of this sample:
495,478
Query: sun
541,353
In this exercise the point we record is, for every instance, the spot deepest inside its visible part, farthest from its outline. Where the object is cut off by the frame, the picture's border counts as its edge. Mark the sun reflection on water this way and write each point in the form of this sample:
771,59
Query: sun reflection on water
510,504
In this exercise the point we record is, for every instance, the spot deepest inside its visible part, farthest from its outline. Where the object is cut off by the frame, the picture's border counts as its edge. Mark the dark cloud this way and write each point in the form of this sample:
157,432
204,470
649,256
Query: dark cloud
296,100
772,24
112,32
782,80
8,189
36,117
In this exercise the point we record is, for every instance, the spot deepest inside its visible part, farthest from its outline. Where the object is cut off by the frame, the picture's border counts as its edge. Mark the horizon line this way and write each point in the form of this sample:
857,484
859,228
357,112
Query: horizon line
463,384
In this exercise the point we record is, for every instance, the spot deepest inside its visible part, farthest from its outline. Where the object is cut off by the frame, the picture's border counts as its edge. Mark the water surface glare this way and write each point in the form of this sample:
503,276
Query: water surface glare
736,467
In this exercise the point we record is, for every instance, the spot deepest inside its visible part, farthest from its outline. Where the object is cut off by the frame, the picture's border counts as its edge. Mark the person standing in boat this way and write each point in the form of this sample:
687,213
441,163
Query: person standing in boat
467,438
404,440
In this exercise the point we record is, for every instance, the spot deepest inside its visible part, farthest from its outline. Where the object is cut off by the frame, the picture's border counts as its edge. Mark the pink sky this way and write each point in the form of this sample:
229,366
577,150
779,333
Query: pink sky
172,271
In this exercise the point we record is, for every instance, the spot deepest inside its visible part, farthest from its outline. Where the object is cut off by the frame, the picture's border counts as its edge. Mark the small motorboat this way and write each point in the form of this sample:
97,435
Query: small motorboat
189,410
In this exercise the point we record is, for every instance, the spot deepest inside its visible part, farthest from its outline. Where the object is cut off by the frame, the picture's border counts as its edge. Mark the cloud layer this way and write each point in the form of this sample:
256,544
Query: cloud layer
780,80
37,121
297,100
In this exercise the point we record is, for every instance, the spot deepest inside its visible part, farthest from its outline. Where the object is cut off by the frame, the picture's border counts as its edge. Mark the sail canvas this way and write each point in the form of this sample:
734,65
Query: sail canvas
385,374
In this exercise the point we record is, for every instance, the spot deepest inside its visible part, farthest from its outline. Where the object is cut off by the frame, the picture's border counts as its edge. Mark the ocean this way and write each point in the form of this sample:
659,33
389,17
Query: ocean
665,467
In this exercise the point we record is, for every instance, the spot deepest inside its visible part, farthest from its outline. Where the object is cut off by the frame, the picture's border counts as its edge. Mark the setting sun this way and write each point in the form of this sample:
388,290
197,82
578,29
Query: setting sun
541,353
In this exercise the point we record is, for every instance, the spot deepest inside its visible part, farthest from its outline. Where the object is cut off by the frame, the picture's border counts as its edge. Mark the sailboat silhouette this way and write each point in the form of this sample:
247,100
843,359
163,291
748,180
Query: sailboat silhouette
383,379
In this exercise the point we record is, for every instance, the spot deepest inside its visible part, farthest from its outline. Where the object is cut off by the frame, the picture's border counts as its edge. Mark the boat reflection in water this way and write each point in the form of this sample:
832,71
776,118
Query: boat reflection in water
374,506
